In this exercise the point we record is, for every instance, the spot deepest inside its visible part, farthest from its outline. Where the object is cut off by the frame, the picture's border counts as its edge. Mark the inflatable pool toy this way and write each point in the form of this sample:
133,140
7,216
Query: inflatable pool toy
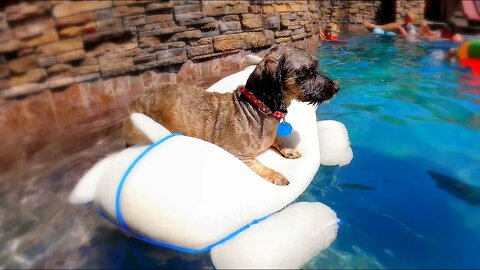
190,195
147,191
383,34
469,55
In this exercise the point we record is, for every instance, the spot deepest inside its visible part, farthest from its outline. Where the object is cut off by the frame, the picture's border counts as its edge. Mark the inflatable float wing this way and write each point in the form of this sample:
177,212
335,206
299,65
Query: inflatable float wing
187,194
288,239
334,143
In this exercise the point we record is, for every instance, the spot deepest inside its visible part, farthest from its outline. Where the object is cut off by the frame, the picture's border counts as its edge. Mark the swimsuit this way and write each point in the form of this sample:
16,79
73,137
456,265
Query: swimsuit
410,29
331,38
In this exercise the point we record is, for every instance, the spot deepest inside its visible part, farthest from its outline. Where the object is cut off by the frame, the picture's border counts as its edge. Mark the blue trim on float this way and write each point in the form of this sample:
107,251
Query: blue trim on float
183,249
125,175
123,226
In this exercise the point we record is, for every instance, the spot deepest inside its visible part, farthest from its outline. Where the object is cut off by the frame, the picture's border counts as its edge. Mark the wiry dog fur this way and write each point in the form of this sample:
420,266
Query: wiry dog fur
230,120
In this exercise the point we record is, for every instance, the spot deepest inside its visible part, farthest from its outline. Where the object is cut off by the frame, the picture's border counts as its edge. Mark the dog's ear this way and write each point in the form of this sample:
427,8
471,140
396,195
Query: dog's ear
266,81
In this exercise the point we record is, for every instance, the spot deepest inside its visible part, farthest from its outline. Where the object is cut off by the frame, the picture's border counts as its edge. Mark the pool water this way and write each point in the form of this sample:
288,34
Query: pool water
411,196
409,199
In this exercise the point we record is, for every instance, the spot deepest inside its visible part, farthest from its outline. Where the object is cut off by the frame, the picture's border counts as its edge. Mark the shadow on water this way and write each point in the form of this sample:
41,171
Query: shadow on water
111,249
354,186
463,191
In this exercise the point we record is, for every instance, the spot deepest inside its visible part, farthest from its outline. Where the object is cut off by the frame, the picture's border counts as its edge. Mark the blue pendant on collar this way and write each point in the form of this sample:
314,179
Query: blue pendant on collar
284,128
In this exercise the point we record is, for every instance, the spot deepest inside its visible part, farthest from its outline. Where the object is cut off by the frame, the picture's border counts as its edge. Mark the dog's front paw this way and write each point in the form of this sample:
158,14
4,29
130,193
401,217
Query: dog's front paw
277,179
267,173
290,153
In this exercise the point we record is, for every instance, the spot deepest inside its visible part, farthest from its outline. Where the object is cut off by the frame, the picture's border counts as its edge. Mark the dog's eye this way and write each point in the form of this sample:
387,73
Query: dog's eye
311,72
307,74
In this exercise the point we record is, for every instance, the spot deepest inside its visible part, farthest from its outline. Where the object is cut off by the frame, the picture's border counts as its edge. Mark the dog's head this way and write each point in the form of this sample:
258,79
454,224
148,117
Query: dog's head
288,73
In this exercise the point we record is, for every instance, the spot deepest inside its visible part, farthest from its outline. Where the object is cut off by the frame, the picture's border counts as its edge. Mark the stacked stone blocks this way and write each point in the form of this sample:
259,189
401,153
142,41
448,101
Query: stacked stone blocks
354,12
414,6
53,44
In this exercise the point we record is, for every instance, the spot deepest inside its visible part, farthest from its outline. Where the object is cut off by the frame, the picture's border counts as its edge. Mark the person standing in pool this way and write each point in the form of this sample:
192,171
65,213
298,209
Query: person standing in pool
402,29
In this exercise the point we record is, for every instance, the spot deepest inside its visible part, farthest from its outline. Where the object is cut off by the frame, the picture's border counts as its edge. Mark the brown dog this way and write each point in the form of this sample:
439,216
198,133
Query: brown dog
243,122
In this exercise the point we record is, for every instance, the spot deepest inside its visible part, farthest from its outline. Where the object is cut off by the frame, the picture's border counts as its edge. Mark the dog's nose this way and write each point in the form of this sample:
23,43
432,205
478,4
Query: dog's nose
336,86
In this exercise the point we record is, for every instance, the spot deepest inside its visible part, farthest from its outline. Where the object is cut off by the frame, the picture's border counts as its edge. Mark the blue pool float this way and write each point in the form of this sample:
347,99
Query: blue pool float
381,33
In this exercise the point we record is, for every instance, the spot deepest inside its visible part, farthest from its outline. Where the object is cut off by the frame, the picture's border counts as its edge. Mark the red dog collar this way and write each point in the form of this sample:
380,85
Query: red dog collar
261,106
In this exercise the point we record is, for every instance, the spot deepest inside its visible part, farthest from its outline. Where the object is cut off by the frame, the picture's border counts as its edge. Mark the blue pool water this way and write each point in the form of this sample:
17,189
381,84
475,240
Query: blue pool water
409,199
411,196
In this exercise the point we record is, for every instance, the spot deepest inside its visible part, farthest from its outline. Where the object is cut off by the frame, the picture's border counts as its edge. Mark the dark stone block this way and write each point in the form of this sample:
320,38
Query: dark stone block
170,53
160,32
199,50
125,33
187,35
194,18
229,26
103,14
272,20
144,58
131,21
181,9
211,33
159,6
154,26
210,26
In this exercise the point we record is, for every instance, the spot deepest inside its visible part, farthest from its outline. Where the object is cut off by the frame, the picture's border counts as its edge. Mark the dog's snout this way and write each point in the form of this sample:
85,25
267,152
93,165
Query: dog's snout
336,86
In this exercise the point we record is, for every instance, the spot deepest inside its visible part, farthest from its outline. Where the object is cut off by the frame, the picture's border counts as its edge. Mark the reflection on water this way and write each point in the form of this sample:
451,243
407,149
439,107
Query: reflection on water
411,118
40,229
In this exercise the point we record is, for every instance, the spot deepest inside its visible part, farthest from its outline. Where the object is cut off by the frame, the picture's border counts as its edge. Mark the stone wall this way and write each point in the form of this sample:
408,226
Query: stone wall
53,44
68,69
349,12
417,7
354,12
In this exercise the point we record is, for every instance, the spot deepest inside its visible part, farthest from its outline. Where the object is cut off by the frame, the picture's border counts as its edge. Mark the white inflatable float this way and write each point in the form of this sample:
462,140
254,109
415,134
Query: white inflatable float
187,194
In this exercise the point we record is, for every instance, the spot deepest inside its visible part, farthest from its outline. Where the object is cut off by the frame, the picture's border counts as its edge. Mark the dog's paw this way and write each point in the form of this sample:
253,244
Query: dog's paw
290,153
277,179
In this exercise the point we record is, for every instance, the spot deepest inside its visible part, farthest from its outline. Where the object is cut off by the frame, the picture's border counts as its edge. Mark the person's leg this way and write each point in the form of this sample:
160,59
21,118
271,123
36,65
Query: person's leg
386,27
390,26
